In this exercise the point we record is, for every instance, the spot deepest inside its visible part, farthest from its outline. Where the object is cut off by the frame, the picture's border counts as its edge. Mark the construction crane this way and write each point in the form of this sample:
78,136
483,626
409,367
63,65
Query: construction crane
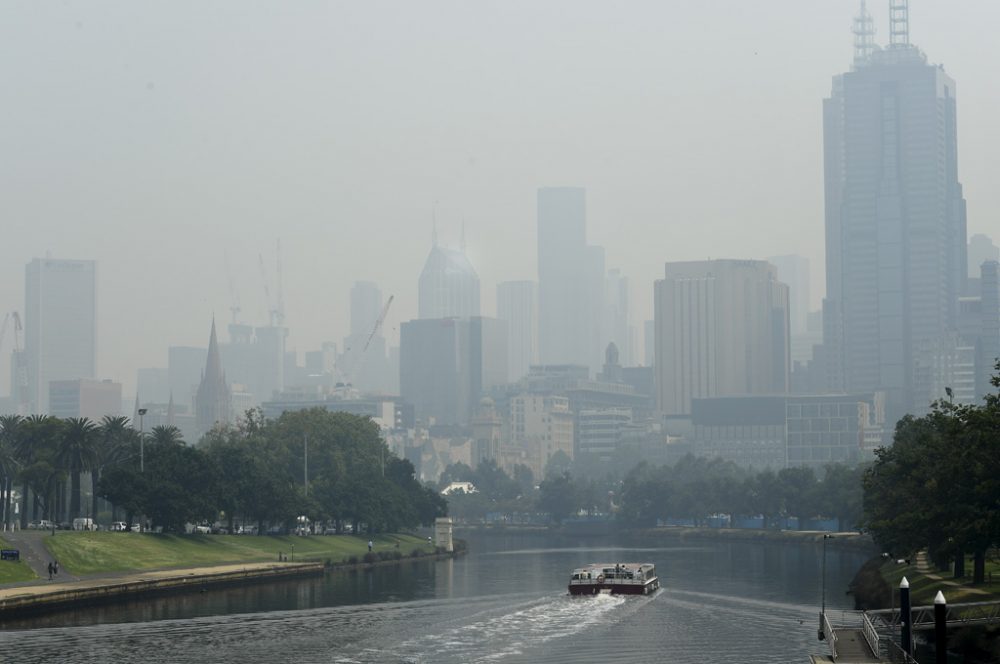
18,369
275,312
21,370
233,296
359,358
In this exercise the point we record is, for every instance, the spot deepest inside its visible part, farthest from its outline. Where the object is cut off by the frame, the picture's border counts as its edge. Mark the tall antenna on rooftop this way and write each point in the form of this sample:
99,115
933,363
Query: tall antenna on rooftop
864,36
899,23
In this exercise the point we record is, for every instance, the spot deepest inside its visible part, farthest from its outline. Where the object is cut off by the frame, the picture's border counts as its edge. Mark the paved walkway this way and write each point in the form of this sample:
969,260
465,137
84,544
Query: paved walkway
924,567
45,587
31,544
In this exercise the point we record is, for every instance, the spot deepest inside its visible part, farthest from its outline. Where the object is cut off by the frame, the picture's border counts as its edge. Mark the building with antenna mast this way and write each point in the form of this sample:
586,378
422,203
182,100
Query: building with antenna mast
895,219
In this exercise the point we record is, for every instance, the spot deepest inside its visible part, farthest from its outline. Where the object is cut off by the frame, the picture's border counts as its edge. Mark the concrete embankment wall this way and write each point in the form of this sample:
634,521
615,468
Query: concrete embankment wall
40,598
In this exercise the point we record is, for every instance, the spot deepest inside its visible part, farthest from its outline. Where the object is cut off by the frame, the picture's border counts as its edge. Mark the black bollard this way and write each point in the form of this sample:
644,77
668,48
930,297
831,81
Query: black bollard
906,634
940,629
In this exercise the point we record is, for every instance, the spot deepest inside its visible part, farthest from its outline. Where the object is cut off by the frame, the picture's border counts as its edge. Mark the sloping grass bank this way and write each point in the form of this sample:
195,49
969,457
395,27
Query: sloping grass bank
14,571
83,553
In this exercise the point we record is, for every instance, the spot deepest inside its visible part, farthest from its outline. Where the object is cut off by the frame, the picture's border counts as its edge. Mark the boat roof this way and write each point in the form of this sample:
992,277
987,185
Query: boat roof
604,565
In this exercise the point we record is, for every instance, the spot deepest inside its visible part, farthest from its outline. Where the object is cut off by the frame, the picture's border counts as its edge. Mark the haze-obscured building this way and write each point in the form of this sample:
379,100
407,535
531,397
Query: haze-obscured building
447,365
570,281
895,219
448,286
60,325
85,398
517,306
721,329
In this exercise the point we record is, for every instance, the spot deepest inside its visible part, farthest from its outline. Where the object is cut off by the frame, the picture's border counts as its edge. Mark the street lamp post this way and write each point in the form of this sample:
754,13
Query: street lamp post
142,441
142,459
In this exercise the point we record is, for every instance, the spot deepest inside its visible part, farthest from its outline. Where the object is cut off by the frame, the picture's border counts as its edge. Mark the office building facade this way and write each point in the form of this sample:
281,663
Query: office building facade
60,326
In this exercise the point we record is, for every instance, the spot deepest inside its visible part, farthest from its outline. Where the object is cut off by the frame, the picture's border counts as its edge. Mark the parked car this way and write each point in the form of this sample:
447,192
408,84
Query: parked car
119,526
202,530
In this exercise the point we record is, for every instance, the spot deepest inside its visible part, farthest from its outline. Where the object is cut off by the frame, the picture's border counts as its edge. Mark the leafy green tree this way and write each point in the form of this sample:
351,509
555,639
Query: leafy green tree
10,433
166,435
559,496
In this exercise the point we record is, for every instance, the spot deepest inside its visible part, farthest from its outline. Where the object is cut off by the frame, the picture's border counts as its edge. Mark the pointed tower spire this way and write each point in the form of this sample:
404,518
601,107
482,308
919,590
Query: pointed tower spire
899,23
135,410
170,411
213,365
864,36
213,401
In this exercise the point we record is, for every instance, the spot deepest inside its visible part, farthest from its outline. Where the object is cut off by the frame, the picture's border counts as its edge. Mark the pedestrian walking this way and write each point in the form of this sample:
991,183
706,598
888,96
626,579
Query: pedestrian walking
50,571
369,546
55,567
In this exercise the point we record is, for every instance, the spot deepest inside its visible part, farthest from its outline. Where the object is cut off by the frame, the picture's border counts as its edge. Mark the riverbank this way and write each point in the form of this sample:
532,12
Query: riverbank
101,567
853,541
37,598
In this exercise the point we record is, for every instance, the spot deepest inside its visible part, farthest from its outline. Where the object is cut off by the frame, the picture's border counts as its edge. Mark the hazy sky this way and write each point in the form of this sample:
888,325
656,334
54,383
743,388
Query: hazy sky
158,137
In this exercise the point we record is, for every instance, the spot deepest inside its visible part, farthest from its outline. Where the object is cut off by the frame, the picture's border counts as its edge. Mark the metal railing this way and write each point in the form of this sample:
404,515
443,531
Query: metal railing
871,635
829,634
897,655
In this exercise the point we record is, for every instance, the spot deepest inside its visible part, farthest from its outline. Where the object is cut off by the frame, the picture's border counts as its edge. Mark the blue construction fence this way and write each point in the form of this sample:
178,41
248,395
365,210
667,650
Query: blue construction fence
755,523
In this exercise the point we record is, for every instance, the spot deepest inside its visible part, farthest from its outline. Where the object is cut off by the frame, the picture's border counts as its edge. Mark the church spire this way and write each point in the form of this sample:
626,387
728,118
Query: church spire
213,365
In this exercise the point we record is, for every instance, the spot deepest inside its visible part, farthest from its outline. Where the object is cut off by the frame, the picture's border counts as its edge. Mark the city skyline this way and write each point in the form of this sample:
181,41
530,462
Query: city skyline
164,226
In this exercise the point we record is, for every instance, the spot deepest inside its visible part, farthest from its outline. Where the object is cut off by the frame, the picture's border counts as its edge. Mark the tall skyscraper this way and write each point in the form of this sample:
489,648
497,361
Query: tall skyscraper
981,249
60,327
446,365
793,271
517,306
616,328
895,217
721,330
364,362
448,286
570,281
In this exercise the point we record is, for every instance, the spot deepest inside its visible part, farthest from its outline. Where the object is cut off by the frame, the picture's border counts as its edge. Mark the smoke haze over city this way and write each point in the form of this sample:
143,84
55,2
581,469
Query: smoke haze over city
166,141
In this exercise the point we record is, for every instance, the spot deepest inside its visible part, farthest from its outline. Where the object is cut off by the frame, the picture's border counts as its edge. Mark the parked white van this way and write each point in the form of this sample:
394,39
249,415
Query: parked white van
84,523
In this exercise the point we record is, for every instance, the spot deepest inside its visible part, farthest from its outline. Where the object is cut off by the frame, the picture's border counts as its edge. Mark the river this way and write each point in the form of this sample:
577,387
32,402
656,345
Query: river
505,601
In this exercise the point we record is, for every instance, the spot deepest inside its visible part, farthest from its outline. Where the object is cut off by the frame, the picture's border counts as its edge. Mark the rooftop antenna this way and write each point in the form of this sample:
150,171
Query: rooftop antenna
280,311
864,36
434,224
899,23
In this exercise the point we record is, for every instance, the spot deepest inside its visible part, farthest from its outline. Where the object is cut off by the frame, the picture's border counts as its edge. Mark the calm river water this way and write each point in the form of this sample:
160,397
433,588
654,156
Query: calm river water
505,601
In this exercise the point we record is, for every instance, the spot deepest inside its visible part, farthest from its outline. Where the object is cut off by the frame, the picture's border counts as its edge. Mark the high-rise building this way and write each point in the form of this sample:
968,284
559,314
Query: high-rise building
895,217
60,327
213,403
364,363
85,398
721,329
517,306
184,367
570,281
981,249
794,272
448,286
616,328
447,364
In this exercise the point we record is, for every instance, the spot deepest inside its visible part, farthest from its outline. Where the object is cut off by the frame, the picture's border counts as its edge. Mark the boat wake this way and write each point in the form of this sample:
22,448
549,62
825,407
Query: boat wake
509,631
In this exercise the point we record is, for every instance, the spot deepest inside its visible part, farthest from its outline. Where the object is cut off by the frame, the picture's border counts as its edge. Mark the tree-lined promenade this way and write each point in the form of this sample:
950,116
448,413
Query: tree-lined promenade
255,473
937,488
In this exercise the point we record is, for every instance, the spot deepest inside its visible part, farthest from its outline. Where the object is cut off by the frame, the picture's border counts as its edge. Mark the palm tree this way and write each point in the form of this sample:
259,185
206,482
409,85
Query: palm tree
38,435
10,431
76,455
167,435
113,445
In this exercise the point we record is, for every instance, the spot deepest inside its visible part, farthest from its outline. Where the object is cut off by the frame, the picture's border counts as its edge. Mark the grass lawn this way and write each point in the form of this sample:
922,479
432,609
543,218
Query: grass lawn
923,588
12,572
94,553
